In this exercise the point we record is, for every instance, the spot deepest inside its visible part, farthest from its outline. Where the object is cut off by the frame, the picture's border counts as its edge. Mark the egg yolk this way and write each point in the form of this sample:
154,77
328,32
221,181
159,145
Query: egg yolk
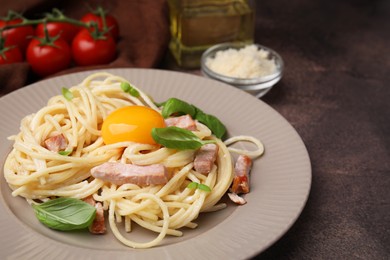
131,123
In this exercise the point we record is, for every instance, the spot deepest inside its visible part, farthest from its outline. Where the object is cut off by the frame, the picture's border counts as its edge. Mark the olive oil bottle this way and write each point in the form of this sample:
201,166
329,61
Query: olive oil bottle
196,25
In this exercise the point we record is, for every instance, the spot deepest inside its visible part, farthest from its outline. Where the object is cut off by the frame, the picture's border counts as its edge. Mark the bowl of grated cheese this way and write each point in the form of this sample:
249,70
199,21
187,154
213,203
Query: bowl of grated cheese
250,67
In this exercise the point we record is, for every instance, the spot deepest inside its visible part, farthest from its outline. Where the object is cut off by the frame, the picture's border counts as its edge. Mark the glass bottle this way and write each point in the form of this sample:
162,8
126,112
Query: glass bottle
196,25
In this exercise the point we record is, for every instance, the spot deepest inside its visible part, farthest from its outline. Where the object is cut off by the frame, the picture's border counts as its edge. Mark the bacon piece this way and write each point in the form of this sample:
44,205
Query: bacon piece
185,122
205,158
56,143
98,226
236,199
241,171
120,173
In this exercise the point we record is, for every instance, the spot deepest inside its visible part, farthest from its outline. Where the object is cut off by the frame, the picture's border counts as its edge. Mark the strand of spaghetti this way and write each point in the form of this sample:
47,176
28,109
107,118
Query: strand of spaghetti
133,244
110,77
34,176
145,97
191,225
193,211
136,207
53,109
78,192
154,228
167,188
145,214
73,122
243,138
43,153
80,119
53,120
127,224
216,207
149,158
120,194
178,197
179,158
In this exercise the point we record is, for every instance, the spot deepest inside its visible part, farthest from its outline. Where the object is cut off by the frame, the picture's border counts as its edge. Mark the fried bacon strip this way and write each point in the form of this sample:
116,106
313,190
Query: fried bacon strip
185,122
120,173
236,199
205,158
98,225
241,171
241,179
56,143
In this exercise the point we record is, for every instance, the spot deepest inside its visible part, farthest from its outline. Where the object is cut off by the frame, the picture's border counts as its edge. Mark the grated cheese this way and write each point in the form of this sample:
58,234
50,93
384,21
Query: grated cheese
247,62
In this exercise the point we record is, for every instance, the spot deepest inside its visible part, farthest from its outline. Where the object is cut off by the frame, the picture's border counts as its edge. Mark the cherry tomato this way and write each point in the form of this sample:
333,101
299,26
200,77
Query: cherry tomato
111,23
10,55
19,36
66,31
89,51
46,59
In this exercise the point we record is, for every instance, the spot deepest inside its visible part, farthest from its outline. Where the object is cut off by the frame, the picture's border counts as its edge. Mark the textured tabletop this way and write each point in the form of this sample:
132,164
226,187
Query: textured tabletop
335,92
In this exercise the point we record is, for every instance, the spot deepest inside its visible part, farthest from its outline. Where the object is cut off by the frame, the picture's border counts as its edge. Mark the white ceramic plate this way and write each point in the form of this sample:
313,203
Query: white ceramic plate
280,180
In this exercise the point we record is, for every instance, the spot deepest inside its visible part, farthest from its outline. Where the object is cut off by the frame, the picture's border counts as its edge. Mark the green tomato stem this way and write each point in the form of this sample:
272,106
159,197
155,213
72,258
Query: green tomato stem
57,16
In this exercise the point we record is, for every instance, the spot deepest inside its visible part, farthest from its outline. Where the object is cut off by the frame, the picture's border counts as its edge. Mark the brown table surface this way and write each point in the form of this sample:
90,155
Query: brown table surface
336,93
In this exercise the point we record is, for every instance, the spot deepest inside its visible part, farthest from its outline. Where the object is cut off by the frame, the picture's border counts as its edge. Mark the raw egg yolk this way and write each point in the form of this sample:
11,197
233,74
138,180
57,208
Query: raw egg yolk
131,123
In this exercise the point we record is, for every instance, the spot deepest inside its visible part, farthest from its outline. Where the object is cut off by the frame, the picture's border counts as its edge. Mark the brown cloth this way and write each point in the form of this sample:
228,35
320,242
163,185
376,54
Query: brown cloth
144,34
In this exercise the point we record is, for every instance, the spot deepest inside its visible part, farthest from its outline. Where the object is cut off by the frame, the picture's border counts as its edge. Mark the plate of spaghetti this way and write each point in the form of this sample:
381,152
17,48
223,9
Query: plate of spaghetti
145,163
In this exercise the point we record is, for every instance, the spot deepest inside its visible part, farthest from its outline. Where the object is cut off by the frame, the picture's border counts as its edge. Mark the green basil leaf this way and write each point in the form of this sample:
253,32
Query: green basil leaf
211,122
177,106
65,214
126,87
65,153
192,185
195,185
67,94
174,105
178,138
204,187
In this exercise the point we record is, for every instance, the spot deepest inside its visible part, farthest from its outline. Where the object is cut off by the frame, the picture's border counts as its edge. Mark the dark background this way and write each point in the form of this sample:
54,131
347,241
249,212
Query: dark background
334,91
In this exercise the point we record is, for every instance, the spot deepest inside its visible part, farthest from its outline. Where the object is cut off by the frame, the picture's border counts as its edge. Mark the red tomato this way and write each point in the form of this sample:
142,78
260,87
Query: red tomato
47,59
10,55
19,36
67,31
89,51
111,23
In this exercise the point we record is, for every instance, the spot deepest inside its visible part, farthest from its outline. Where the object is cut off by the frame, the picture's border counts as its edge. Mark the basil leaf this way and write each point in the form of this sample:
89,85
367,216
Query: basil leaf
65,214
126,87
65,153
177,106
195,185
211,122
174,105
204,187
67,94
178,138
192,185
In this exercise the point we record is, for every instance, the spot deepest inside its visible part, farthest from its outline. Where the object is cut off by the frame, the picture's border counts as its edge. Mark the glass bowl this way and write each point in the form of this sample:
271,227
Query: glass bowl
257,86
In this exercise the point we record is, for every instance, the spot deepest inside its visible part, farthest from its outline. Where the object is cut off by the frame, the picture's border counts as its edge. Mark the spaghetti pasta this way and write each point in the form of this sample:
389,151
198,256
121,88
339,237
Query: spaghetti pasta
38,174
